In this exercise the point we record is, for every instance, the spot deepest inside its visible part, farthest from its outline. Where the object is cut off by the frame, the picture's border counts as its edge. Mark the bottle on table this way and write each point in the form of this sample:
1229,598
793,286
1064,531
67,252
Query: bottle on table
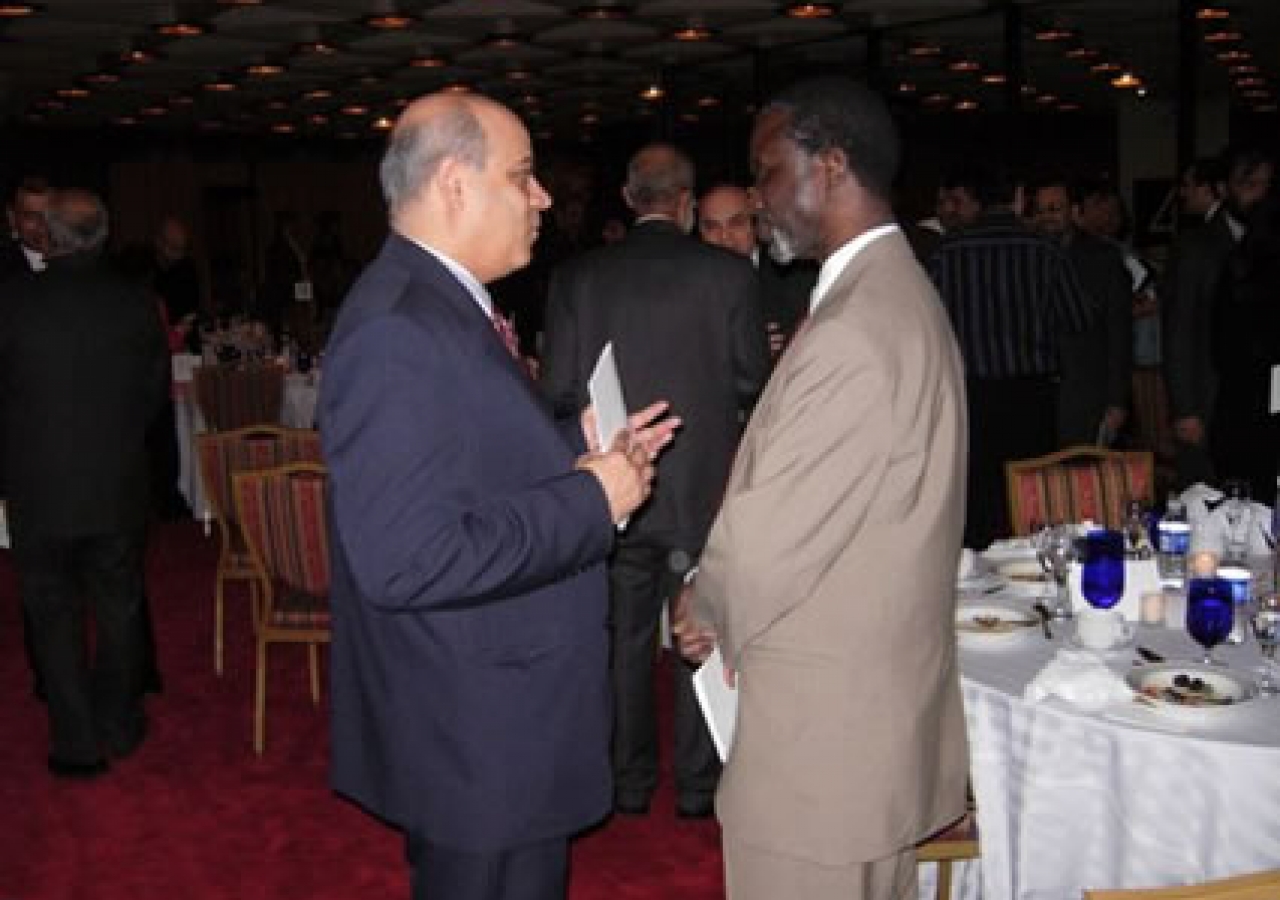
1173,542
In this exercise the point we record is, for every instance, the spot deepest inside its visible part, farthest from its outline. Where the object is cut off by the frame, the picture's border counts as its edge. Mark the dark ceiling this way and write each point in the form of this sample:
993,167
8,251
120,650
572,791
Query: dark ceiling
326,67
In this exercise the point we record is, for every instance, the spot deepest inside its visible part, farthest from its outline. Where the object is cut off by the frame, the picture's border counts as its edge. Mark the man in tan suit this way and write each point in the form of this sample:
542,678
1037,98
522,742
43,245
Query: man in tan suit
828,578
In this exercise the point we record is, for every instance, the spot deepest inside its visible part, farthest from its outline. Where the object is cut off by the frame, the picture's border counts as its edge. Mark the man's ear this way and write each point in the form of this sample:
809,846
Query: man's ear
835,165
451,185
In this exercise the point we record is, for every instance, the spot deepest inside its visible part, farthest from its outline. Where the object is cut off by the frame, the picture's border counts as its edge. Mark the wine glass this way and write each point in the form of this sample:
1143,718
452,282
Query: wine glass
1056,549
1210,613
1137,539
1237,508
1102,576
1265,622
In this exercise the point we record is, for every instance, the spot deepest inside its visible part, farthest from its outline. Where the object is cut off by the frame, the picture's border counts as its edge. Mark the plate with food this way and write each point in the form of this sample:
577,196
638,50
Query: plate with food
1023,571
987,624
1191,691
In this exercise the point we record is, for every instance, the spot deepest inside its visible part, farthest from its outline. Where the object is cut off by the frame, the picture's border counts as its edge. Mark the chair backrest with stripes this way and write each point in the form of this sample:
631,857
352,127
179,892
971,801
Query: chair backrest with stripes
222,454
1076,484
235,395
283,517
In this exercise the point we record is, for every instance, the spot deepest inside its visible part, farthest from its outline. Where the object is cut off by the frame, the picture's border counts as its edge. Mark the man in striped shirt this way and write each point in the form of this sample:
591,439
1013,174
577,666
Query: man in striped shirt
1010,294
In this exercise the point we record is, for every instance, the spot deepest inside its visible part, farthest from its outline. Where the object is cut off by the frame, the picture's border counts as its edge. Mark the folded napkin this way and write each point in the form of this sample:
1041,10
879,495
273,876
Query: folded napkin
1207,516
1011,547
970,566
1079,677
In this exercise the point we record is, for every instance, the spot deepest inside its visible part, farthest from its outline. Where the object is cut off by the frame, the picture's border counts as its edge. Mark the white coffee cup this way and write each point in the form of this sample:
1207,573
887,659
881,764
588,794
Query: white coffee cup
1102,629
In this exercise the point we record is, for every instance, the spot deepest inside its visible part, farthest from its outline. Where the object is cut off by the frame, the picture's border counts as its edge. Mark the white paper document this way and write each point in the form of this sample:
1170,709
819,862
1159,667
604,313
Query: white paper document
605,390
719,702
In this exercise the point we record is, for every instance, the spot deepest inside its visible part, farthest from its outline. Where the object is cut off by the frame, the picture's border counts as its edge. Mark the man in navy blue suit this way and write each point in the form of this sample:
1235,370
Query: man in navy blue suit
470,530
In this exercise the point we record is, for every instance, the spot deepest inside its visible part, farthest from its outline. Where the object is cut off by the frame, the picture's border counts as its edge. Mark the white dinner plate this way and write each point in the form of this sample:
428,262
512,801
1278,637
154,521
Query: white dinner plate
1192,692
985,625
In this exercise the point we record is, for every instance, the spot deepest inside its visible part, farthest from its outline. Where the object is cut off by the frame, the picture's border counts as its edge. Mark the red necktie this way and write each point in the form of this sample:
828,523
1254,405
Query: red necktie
502,325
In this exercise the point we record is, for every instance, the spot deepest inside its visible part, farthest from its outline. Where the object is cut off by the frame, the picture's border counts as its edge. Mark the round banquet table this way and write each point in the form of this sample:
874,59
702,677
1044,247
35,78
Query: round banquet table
1125,797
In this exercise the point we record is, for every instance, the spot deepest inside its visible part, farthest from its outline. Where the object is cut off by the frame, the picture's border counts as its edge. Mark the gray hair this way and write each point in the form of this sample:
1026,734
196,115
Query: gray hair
77,221
656,175
415,152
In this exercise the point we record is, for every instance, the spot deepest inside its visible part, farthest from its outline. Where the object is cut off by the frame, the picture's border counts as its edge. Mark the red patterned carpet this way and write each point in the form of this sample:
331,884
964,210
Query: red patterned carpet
193,815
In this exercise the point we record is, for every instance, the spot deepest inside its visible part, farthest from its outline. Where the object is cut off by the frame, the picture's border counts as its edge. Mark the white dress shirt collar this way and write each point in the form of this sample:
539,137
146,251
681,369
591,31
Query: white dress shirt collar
837,262
469,281
35,259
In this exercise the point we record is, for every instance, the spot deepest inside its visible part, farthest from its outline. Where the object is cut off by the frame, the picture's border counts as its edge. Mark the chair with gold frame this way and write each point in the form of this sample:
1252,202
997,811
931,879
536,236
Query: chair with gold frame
283,515
1259,886
1076,484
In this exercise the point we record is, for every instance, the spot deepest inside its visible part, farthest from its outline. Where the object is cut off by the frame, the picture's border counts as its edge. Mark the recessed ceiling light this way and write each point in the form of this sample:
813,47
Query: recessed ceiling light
906,87
1126,80
125,121
653,93
318,119
382,123
1046,99
1054,33
1105,68
180,29
692,33
355,109
1250,81
1256,94
276,105
924,50
1233,56
938,98
966,105
1082,53
602,11
1245,69
1222,36
264,69
17,10
182,100
1212,13
73,93
518,74
51,104
993,78
589,118
390,18
457,88
501,41
316,48
101,78
221,86
154,111
810,10
318,94
1068,107
964,65
427,62
283,128
708,102
140,56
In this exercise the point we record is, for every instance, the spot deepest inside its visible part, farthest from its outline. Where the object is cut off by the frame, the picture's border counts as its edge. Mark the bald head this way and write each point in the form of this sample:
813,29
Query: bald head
660,182
458,176
77,222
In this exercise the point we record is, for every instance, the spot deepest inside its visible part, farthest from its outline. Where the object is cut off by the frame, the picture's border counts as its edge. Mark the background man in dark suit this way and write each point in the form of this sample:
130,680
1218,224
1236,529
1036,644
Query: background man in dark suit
83,368
1096,363
28,241
470,690
685,324
726,219
21,254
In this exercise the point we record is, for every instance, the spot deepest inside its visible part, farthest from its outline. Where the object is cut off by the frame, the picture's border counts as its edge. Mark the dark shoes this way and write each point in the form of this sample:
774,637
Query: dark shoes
80,771
121,743
696,806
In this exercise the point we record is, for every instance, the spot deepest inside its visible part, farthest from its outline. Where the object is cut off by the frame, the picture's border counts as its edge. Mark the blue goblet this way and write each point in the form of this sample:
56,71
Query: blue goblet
1210,613
1102,575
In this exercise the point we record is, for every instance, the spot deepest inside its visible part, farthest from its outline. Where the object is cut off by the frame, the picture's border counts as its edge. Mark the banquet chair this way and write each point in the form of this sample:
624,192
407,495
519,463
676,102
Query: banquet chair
1076,484
282,513
236,395
219,456
1259,886
955,843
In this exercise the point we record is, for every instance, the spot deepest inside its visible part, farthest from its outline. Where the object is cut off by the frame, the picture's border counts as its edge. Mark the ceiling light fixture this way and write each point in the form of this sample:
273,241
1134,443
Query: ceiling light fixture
1126,80
140,56
966,105
1054,33
388,17
318,119
317,47
964,65
1213,13
1082,53
457,87
183,28
221,86
264,69
653,92
920,51
1245,69
154,111
1250,81
1234,56
1068,107
382,123
18,10
810,10
708,102
283,128
603,11
73,93
125,121
318,94
427,62
906,87
355,109
1222,36
101,79
1105,68
692,33
993,78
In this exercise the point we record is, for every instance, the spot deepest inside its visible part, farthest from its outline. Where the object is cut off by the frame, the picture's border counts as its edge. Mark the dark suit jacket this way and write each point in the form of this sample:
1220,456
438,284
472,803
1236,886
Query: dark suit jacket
1097,363
1197,274
83,369
470,697
13,262
685,323
785,291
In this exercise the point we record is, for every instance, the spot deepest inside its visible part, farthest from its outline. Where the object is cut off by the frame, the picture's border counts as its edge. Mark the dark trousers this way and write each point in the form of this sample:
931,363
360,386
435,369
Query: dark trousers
93,699
537,871
1009,418
642,578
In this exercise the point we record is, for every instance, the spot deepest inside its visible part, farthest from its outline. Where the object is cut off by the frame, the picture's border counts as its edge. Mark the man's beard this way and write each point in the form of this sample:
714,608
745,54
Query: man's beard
782,248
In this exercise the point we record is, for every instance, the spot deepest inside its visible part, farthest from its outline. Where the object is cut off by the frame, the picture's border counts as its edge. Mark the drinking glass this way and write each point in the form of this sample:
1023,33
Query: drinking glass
1102,577
1056,550
1265,622
1210,613
1237,507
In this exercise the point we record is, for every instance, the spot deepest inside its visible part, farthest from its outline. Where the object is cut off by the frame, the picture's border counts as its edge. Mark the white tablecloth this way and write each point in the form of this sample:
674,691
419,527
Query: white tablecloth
1069,800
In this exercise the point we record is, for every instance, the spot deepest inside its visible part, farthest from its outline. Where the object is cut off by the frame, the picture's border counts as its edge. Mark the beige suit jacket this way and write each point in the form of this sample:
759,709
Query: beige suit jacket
829,576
